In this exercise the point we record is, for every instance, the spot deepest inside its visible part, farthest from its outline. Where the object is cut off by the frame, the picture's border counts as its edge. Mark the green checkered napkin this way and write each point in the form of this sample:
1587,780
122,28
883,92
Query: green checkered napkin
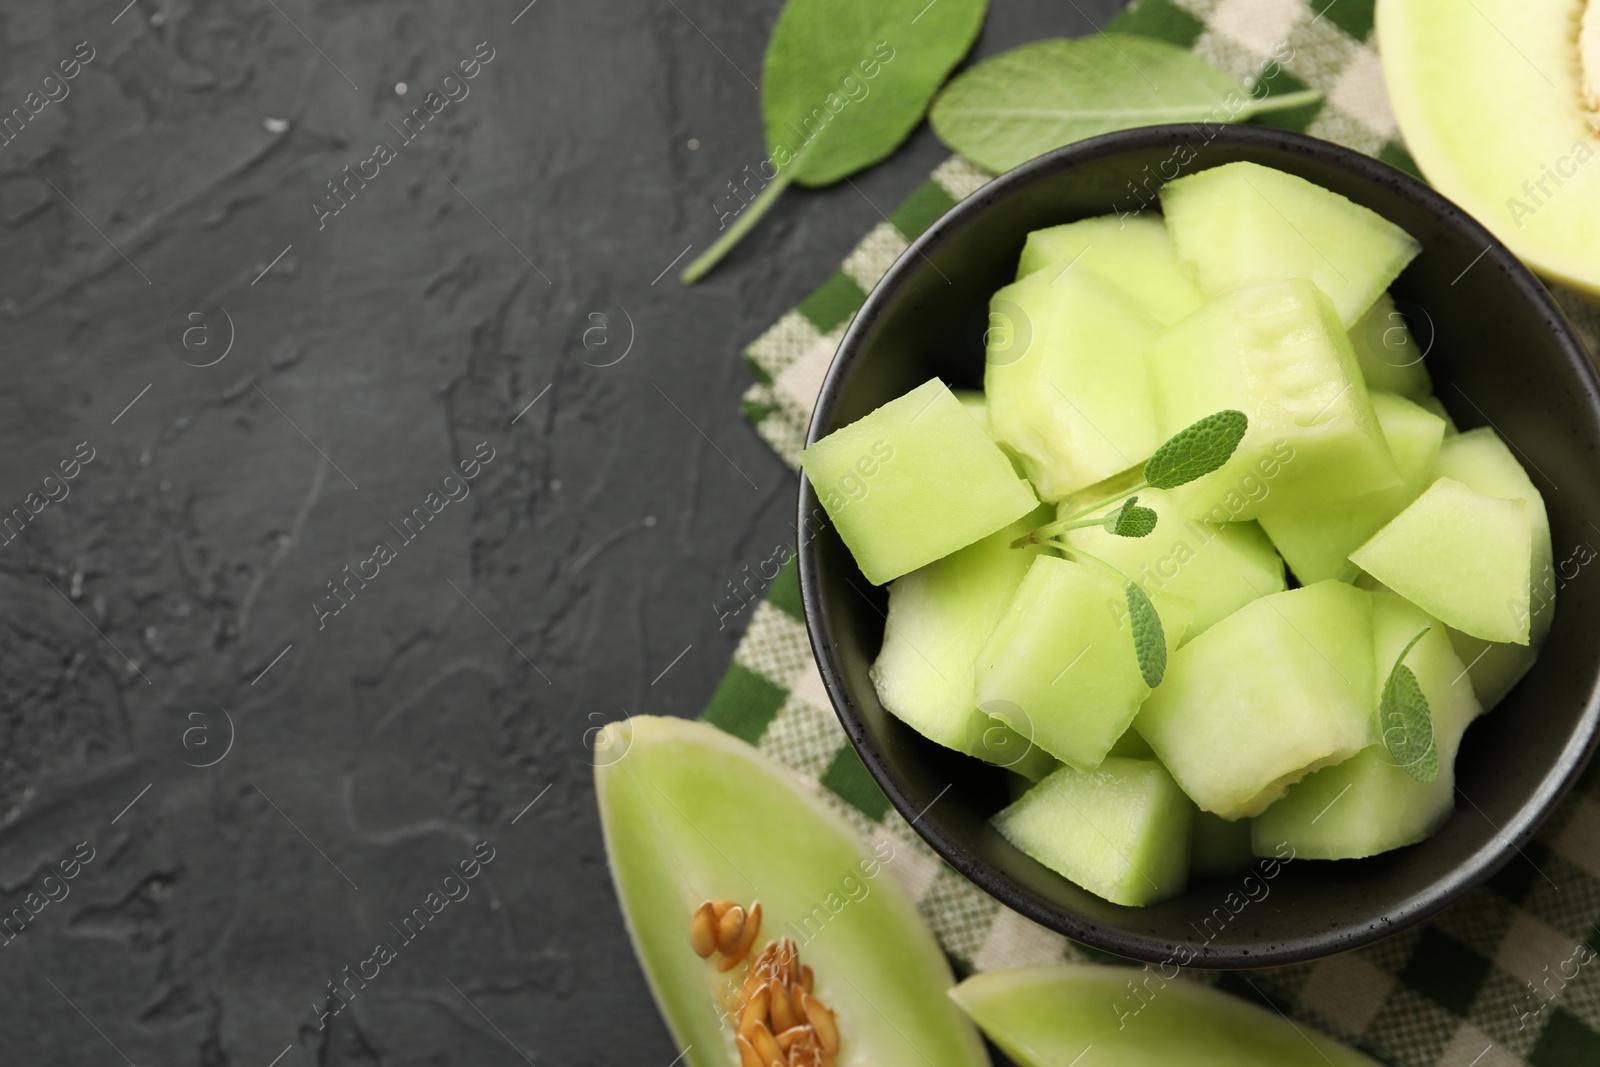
1454,992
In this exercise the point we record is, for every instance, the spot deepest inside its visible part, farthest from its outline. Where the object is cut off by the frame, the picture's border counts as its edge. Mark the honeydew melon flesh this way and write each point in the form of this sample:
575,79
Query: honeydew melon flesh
1462,556
977,406
1498,110
1048,1016
939,618
1368,804
913,481
1060,667
691,814
1244,224
1480,459
1279,688
1317,541
1134,254
1435,405
1121,831
1277,353
1221,567
1389,355
1066,379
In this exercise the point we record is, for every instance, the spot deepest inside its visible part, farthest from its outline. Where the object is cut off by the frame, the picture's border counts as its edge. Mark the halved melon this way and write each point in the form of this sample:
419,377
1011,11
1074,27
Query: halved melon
1497,101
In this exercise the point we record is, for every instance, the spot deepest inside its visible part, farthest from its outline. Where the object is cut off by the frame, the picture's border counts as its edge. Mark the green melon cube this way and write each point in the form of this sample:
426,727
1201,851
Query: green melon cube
1462,556
1134,254
1066,380
1244,224
1277,353
1120,831
1368,804
1219,847
1221,567
1060,667
1266,696
1480,459
913,481
1435,405
1390,357
1317,541
939,618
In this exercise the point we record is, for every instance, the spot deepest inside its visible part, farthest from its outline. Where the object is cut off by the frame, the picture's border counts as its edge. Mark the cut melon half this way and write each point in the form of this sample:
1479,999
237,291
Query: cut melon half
1460,555
1244,224
692,814
1497,104
1120,1017
1134,254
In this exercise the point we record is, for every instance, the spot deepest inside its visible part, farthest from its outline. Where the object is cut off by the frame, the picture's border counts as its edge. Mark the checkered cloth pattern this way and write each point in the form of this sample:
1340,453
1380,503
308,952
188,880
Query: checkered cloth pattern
1458,991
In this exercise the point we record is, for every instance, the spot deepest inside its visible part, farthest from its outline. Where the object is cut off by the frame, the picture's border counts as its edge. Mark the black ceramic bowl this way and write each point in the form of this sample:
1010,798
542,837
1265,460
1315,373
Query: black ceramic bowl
1501,354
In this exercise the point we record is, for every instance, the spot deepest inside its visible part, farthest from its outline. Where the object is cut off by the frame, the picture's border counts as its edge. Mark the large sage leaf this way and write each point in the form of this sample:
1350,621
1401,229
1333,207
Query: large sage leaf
1025,102
843,84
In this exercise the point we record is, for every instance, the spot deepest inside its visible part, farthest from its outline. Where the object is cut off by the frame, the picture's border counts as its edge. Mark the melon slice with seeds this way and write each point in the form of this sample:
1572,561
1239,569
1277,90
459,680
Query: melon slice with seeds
691,814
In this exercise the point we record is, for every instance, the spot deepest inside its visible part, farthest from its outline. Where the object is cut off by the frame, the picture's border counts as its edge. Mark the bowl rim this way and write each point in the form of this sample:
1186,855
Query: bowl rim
1508,839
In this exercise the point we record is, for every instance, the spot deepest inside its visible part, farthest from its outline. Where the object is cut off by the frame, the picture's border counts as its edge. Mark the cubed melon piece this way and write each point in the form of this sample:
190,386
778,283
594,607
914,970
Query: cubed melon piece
1435,405
1060,668
939,618
1120,831
1277,353
1279,688
1218,846
913,481
1244,224
1368,804
977,406
1219,566
1390,357
1134,254
1462,556
1317,541
1066,379
1480,459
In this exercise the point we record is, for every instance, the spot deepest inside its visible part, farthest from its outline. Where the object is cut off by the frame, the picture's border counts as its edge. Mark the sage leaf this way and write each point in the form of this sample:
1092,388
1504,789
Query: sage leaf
1196,450
1149,639
1025,102
843,84
1131,520
1407,721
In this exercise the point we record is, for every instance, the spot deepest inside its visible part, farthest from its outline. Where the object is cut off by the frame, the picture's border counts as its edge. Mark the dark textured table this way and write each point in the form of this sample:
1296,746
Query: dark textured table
245,348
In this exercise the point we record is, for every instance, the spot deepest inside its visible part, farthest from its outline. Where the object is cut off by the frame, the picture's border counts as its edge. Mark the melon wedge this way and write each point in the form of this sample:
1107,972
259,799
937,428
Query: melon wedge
1390,357
1497,104
690,814
913,481
1049,1016
1244,224
1460,555
1134,254
1120,831
939,618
